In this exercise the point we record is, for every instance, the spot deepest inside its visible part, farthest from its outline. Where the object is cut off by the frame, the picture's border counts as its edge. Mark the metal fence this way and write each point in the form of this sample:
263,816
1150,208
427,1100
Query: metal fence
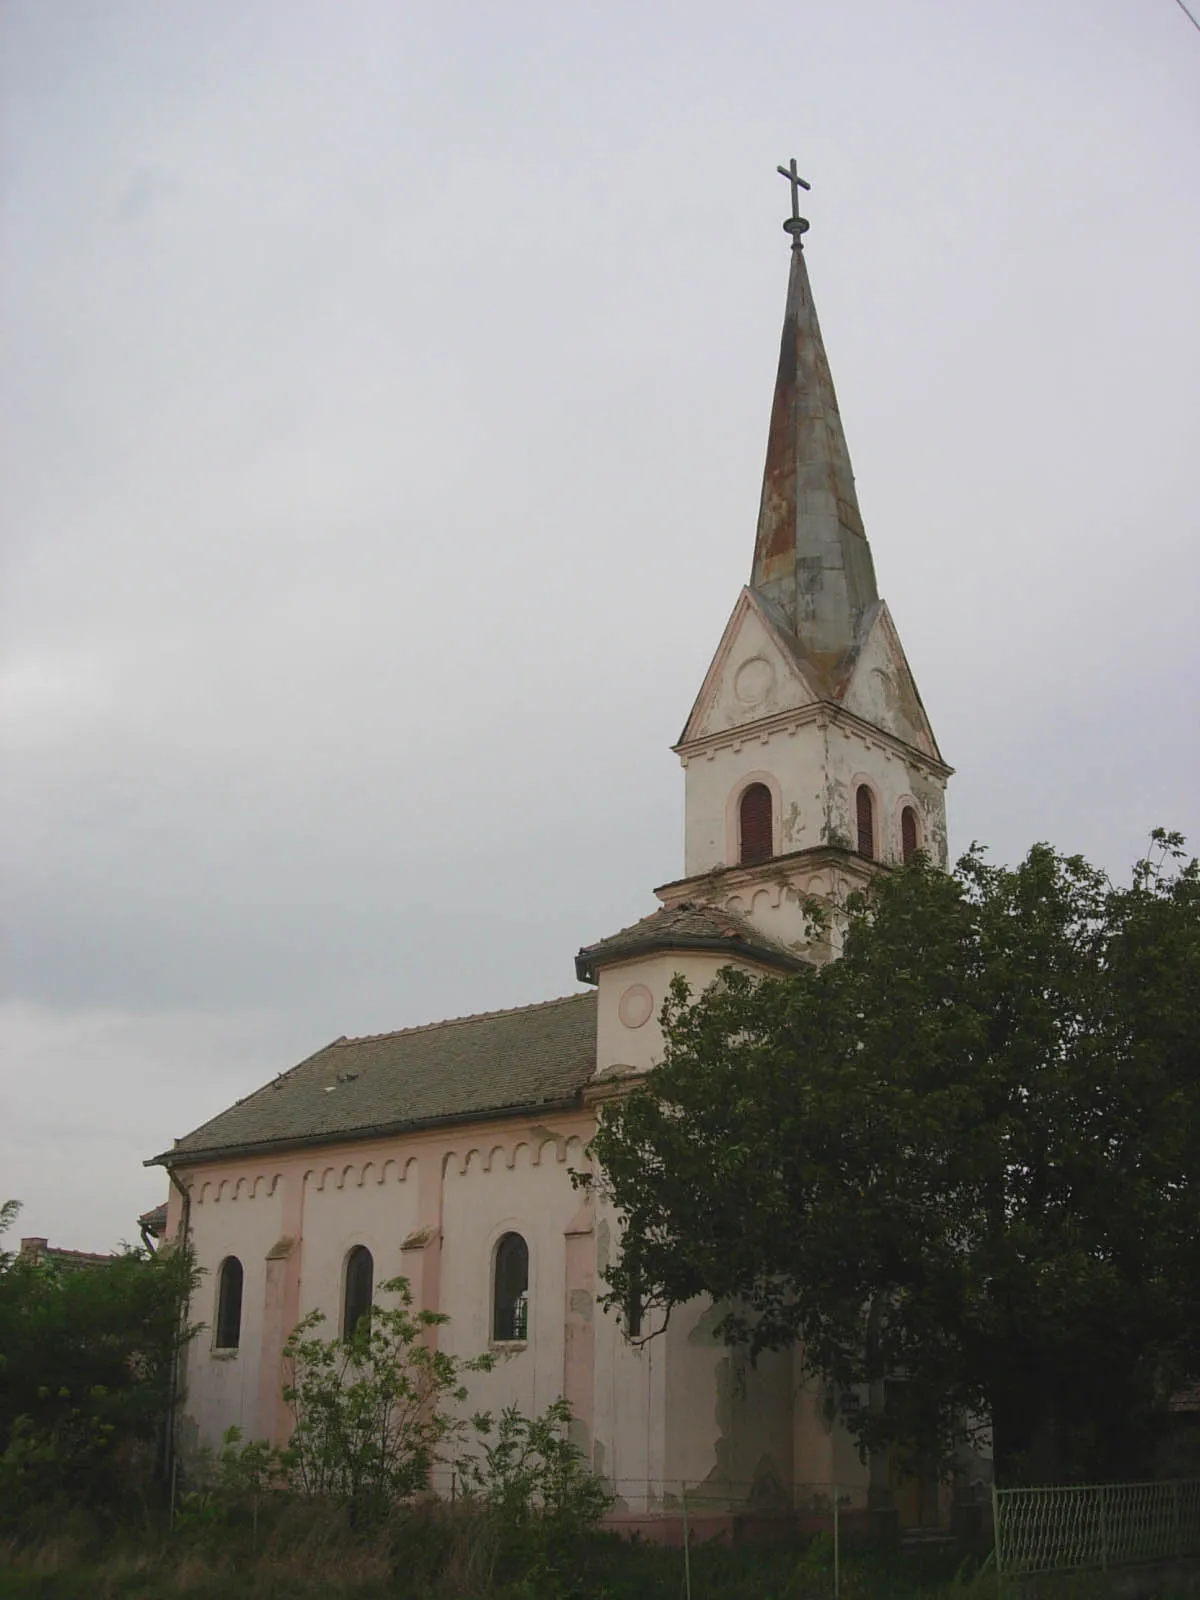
815,1504
1095,1526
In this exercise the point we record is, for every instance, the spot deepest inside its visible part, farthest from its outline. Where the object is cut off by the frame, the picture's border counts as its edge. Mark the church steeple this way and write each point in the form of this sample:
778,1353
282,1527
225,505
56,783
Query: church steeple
812,562
808,755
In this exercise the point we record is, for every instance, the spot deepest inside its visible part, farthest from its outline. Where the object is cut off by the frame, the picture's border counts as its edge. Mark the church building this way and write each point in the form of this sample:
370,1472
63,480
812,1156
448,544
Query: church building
443,1153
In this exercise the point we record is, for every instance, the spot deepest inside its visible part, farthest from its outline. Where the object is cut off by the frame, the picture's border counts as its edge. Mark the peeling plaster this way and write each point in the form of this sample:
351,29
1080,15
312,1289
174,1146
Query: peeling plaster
603,1247
580,1304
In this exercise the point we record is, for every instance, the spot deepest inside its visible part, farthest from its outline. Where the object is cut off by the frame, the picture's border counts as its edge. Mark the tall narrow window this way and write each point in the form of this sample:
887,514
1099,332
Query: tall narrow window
755,842
510,1294
360,1286
229,1304
909,840
634,1307
864,806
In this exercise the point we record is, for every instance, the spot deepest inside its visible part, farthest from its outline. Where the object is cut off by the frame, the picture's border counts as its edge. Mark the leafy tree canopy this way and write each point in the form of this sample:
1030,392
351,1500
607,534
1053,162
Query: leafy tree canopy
87,1371
967,1153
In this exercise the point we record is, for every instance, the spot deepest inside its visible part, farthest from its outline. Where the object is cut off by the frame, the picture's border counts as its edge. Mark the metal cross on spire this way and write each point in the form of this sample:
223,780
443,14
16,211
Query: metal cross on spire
796,225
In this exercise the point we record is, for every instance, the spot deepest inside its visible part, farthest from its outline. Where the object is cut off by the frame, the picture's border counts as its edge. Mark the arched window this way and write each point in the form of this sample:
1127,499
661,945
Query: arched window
229,1304
510,1292
634,1307
360,1286
755,842
864,808
910,841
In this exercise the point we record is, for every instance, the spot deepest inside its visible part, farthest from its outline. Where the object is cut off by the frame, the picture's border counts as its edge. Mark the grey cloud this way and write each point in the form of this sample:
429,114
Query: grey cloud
383,396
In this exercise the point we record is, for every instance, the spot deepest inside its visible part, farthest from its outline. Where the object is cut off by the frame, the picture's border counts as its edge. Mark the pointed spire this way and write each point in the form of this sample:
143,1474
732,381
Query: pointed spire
812,562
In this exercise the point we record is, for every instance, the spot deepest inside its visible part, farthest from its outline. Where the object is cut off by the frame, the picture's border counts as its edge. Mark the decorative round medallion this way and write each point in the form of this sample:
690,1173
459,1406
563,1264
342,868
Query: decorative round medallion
754,680
635,1005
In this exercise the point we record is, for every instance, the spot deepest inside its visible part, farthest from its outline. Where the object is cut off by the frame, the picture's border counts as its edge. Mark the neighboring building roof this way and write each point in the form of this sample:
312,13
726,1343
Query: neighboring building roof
42,1250
154,1221
686,926
495,1063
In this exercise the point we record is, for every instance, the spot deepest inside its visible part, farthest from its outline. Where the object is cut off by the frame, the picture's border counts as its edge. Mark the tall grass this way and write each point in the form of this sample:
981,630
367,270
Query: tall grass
307,1551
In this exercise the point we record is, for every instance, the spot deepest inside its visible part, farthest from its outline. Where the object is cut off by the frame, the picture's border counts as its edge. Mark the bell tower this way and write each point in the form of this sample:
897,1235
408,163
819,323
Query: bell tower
809,761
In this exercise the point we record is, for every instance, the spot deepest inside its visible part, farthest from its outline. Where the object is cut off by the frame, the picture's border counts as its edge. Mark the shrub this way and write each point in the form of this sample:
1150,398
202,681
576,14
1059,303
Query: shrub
539,1493
368,1410
87,1373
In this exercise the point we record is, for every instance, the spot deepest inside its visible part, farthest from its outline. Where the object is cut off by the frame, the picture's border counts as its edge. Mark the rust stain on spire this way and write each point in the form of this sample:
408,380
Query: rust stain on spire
812,563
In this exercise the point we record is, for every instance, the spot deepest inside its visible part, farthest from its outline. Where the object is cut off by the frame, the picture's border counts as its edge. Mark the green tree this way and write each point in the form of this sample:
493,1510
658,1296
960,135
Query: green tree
87,1372
967,1152
369,1412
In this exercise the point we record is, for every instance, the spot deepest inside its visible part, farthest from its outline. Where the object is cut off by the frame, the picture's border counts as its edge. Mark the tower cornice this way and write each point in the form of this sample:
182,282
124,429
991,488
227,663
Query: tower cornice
720,883
822,714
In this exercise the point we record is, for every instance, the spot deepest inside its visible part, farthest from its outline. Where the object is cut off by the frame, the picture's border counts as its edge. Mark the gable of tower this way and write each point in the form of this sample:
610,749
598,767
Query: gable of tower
753,675
882,690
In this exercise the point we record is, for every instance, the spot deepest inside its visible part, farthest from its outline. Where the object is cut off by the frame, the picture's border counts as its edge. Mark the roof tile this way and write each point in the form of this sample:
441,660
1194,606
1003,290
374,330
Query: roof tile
686,926
470,1066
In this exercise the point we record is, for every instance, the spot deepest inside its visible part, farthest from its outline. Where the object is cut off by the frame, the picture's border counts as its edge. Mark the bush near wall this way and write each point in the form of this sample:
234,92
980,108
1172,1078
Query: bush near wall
87,1361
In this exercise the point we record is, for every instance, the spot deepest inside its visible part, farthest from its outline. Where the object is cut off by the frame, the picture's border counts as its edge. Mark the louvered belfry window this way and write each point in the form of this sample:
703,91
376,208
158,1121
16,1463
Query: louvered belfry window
754,818
864,806
908,833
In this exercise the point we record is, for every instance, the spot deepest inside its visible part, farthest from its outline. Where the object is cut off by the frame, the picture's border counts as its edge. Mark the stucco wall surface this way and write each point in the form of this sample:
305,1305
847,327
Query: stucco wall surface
751,677
347,1203
233,1213
623,1041
524,1188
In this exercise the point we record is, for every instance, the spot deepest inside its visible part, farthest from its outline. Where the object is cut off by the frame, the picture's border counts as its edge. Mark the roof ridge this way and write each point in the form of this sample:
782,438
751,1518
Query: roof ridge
449,1022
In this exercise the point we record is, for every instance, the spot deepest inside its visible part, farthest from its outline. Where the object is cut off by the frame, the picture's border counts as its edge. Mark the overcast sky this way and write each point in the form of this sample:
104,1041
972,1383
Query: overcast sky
384,395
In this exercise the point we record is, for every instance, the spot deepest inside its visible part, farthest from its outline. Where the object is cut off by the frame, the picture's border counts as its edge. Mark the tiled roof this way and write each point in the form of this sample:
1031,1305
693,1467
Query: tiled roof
40,1250
498,1061
154,1221
687,926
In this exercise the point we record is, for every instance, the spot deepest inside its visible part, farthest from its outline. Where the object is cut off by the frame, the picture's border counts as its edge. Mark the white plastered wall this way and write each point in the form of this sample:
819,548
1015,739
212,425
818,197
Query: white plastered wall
895,782
757,720
347,1203
637,1045
233,1213
484,1197
882,691
811,769
789,760
752,676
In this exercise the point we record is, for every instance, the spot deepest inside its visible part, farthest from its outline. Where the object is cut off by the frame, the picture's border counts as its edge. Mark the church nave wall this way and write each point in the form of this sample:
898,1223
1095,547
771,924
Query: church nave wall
369,1201
234,1212
522,1187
